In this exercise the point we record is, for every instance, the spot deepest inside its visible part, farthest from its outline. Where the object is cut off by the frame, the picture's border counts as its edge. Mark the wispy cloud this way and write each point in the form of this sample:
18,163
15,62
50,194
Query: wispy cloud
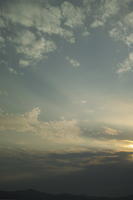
75,63
126,65
111,131
12,70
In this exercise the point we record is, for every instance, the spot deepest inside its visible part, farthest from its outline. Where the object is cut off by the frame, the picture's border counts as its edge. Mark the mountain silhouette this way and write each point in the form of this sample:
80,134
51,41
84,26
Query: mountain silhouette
31,194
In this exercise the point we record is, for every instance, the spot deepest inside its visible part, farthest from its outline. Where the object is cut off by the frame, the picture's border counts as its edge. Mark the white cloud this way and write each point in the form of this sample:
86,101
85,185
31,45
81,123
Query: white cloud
122,30
105,10
74,16
25,38
118,32
24,63
97,23
86,33
47,20
111,131
73,62
44,18
32,47
83,101
87,5
129,40
29,122
20,123
33,115
51,21
121,33
126,65
26,13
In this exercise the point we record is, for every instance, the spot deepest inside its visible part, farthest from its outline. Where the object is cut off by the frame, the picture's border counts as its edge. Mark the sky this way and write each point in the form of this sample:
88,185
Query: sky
66,100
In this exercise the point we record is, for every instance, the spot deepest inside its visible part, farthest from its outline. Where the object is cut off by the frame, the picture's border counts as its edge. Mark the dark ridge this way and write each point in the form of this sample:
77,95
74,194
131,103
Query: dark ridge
31,194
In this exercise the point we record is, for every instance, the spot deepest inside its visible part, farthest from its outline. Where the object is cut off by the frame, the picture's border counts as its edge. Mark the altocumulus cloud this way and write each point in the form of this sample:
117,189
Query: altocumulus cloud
122,31
34,24
46,20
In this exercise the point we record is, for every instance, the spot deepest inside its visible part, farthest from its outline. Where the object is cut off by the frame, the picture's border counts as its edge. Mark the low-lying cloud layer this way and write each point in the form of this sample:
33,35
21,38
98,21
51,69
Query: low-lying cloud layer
65,135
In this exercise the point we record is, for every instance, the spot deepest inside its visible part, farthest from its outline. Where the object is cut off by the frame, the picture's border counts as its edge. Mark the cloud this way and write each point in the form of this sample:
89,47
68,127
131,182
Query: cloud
74,16
33,115
45,17
14,71
122,30
24,63
104,11
83,101
47,163
129,39
126,65
73,62
111,131
63,135
33,26
31,47
26,162
29,122
18,123
128,20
